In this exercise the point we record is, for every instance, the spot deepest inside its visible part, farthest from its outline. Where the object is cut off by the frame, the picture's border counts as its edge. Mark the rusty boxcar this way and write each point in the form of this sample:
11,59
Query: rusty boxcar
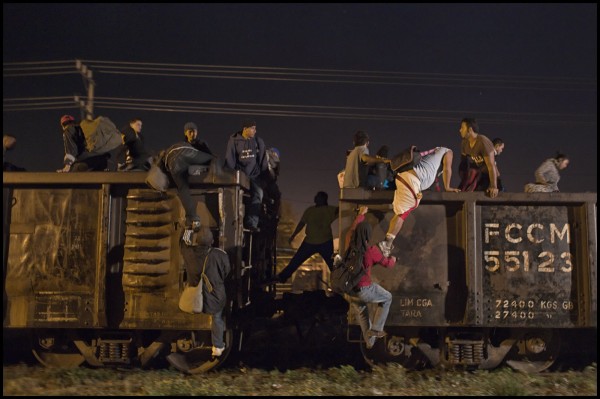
92,271
481,281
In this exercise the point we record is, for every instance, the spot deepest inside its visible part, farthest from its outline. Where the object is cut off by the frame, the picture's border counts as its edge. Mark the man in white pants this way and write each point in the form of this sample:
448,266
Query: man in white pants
409,187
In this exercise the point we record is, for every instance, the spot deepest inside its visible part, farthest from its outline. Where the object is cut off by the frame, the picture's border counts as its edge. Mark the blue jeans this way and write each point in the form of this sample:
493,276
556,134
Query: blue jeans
306,251
217,329
254,205
178,162
374,294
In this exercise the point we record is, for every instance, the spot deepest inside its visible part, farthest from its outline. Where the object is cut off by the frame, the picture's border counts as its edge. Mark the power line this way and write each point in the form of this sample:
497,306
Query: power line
324,75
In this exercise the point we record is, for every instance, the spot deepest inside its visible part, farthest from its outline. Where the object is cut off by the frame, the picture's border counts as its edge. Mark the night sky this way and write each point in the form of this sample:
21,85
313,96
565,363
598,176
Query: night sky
311,75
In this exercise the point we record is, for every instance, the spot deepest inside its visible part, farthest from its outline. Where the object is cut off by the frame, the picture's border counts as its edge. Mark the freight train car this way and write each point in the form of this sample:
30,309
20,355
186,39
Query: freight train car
92,270
482,281
92,266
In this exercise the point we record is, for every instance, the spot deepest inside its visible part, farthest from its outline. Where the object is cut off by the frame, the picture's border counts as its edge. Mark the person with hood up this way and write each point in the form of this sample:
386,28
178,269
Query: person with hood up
247,153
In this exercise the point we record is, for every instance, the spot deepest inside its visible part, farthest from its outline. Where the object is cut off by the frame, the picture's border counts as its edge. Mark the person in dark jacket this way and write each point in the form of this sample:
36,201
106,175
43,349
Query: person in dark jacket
98,150
176,160
137,157
216,270
190,131
246,152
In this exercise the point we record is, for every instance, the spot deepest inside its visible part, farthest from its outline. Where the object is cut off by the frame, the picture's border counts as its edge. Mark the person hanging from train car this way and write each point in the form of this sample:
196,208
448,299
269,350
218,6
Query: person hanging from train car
547,175
247,152
217,269
138,158
368,292
409,187
91,145
176,161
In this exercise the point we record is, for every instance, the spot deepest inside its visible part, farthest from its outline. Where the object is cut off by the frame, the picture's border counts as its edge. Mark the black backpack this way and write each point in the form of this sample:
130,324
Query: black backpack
347,273
406,159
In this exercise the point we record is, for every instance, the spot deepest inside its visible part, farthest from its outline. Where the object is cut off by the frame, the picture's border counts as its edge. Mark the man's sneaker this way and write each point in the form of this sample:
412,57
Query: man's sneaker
369,342
216,352
188,236
376,334
385,248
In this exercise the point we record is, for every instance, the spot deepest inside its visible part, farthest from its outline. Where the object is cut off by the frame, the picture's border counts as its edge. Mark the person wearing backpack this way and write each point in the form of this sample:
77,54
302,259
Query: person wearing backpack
409,187
198,256
366,291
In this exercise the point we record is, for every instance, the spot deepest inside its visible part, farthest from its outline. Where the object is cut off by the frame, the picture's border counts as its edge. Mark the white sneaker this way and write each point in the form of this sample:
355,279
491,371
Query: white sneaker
216,352
385,248
370,342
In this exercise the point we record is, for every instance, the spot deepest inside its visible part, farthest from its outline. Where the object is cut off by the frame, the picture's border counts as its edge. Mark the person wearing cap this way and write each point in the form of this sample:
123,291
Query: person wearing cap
81,151
190,131
246,152
201,257
176,160
137,157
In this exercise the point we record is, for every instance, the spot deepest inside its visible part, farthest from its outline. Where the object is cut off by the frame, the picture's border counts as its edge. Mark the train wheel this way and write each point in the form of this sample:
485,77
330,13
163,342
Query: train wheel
535,351
54,349
194,352
394,349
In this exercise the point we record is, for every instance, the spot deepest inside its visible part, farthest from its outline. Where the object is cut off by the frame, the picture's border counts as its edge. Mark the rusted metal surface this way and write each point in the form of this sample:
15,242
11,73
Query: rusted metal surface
520,260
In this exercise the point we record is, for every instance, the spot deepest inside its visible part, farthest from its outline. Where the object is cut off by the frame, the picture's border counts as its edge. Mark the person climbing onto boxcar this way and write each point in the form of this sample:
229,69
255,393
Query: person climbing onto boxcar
138,158
218,267
368,292
547,175
176,161
318,239
477,159
246,152
409,187
92,145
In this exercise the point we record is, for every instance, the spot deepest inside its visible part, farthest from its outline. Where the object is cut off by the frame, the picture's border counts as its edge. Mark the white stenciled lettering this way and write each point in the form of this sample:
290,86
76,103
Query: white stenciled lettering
530,235
411,313
425,303
406,302
554,232
489,233
507,235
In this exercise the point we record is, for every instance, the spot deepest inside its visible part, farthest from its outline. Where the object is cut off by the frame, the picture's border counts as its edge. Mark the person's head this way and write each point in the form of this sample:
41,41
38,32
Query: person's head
360,138
66,120
468,127
248,128
136,125
383,151
321,198
204,237
190,130
498,145
562,160
8,142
